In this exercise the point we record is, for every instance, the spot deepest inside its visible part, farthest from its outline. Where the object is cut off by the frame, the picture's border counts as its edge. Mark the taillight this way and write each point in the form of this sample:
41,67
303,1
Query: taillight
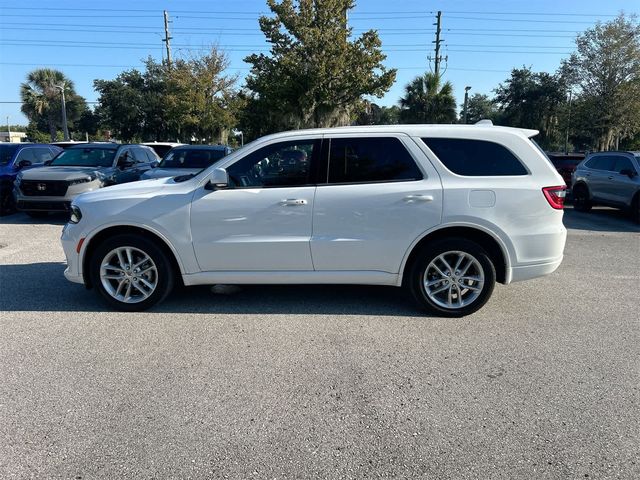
555,196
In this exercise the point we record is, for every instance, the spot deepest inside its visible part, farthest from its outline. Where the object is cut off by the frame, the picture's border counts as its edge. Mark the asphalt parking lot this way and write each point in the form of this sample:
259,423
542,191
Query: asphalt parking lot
323,382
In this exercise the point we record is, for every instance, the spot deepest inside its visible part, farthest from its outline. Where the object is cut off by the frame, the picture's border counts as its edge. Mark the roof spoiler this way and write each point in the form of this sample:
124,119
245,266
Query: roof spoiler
526,131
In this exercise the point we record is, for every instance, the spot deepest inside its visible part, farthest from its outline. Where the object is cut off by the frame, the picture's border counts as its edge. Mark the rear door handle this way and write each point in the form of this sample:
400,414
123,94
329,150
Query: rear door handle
610,178
418,198
293,202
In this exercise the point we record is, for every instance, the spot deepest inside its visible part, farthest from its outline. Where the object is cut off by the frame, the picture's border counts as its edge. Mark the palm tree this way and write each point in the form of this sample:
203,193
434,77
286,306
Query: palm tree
40,96
427,101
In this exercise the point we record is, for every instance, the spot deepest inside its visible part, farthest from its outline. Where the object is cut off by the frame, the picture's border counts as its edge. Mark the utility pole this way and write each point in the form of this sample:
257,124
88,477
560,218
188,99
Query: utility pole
65,127
438,58
466,101
8,130
167,37
566,138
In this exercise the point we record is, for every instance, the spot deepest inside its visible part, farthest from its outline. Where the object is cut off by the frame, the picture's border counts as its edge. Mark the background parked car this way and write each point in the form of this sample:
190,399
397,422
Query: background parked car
15,157
188,159
162,148
566,164
608,178
68,144
80,169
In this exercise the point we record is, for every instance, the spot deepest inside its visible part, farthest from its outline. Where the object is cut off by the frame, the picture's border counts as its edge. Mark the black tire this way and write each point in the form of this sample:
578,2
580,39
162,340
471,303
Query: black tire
428,254
38,214
164,275
7,203
581,201
635,208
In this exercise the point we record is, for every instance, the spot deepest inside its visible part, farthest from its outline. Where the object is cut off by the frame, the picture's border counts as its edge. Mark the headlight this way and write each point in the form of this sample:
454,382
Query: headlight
81,180
76,214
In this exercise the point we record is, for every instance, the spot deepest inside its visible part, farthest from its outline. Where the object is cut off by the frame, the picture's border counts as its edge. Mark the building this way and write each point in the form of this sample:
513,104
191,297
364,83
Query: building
13,137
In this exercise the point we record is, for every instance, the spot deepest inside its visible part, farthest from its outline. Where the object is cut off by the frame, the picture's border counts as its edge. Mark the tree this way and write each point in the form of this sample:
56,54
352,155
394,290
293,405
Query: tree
314,76
532,100
42,101
193,98
605,71
480,107
426,100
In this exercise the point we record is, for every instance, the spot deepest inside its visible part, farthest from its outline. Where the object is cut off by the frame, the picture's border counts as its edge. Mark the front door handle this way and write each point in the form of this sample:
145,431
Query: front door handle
293,202
418,198
610,178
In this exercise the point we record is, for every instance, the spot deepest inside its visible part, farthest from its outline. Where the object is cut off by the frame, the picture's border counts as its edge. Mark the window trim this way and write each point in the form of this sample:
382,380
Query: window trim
326,152
523,164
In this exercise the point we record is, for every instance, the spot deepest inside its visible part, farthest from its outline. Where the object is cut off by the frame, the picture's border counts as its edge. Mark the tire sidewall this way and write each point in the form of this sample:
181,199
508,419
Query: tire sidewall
581,200
430,252
163,265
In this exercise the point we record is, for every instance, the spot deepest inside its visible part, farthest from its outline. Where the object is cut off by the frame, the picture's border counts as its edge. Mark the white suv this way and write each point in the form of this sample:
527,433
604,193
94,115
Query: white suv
444,210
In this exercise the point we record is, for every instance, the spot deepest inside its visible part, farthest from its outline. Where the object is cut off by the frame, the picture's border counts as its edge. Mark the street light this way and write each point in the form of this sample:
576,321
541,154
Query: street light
239,133
464,108
65,129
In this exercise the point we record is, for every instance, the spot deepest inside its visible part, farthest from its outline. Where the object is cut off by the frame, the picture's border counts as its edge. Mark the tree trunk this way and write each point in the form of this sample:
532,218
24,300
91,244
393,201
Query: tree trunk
52,128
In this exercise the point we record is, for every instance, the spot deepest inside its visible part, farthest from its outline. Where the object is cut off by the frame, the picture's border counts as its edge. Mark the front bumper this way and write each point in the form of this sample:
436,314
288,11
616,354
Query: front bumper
70,241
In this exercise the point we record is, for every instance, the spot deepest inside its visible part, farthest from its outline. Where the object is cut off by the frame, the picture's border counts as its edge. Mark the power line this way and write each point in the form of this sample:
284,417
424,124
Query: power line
485,19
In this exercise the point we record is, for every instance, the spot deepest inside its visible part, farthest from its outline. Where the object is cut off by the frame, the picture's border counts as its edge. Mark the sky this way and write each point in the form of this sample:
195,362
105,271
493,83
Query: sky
482,40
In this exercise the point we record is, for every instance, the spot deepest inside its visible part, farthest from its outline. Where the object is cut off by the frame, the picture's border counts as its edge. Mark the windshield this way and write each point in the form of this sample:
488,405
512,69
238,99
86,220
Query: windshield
85,157
6,153
191,158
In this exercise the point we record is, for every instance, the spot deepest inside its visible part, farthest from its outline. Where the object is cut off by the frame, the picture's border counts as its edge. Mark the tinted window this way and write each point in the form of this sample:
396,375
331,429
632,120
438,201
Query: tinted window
6,153
278,165
623,163
375,159
151,155
85,157
602,162
191,158
475,158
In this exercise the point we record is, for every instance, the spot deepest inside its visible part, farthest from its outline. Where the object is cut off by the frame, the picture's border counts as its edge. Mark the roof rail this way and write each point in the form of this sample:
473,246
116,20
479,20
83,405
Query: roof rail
484,122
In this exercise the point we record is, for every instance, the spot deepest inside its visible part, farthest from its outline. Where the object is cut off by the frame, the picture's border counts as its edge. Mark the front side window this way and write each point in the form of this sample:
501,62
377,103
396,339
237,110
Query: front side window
85,157
6,153
623,163
475,158
284,164
191,158
373,159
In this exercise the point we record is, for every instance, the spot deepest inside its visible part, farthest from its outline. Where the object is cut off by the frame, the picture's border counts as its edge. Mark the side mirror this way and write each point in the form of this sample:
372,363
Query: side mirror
628,172
24,163
218,179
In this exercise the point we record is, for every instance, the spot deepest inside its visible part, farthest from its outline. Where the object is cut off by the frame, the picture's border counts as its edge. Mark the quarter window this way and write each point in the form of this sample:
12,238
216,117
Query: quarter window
475,158
284,164
373,159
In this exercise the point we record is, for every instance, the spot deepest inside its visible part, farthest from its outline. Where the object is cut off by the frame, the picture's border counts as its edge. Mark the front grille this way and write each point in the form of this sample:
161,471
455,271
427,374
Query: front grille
49,188
43,206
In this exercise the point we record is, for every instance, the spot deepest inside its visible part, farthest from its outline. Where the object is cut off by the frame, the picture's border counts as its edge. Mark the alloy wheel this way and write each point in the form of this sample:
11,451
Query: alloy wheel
454,279
128,274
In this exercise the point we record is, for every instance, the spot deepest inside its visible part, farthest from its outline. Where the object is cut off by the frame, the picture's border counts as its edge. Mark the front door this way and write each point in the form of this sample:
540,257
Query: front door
262,221
376,203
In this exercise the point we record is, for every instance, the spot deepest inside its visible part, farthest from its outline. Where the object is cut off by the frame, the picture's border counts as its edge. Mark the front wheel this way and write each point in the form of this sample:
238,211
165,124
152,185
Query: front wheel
452,277
131,272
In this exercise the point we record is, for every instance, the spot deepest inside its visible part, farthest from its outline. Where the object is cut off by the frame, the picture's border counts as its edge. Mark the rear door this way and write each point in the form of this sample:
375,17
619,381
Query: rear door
376,199
623,187
599,177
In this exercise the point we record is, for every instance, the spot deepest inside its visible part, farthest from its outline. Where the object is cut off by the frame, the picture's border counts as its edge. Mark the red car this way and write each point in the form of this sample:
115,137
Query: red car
566,164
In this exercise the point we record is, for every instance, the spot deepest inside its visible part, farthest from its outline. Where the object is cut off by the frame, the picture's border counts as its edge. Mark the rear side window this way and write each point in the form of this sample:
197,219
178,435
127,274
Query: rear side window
373,159
475,158
602,162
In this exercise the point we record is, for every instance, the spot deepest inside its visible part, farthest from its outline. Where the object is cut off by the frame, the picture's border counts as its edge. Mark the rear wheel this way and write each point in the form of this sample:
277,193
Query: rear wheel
581,201
452,277
131,272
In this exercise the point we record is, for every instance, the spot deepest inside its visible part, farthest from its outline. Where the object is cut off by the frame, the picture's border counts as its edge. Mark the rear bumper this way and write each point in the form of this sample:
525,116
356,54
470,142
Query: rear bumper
528,272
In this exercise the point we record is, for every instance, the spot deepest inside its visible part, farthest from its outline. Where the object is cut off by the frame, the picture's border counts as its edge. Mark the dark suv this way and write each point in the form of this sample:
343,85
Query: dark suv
608,178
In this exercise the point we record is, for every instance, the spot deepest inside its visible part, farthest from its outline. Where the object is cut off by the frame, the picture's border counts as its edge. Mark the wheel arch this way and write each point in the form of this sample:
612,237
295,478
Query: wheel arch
92,242
494,246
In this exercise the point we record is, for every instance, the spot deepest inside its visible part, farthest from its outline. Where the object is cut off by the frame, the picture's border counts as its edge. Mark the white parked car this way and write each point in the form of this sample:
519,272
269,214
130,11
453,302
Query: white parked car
444,210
